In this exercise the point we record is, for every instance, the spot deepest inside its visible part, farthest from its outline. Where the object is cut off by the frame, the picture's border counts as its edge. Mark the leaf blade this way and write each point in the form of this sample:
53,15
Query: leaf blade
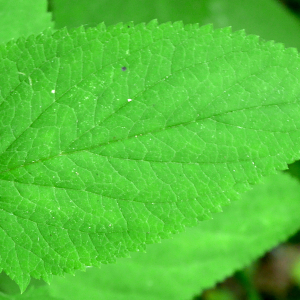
97,160
202,256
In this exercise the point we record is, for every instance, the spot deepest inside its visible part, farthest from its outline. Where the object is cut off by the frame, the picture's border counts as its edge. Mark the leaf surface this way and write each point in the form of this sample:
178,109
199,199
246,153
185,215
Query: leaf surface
183,267
18,18
114,138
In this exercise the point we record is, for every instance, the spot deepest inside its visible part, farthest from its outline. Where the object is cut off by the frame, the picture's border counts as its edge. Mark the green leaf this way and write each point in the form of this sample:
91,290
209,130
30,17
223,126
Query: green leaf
204,255
37,290
20,17
114,138
31,294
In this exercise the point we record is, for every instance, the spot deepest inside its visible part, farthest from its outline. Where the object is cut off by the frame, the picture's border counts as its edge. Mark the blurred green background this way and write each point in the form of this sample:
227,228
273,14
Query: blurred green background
270,19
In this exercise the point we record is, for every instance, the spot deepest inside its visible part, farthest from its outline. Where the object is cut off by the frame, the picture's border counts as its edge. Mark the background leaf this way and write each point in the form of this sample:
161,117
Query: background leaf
269,19
91,12
18,18
114,138
33,293
266,18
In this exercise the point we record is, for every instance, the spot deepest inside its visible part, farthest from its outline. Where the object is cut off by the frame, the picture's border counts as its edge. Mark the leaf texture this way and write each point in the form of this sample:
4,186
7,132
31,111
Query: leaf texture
183,267
114,138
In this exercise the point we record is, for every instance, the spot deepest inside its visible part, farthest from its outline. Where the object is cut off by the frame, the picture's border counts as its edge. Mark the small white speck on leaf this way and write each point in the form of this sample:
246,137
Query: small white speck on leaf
129,100
53,91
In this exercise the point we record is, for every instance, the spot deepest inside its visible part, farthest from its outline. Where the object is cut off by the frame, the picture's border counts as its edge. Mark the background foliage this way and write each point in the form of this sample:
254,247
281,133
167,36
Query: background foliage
224,246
